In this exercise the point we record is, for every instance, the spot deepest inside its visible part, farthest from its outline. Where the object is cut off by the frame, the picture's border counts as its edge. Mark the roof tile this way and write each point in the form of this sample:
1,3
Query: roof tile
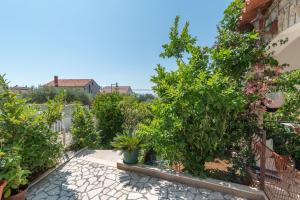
70,82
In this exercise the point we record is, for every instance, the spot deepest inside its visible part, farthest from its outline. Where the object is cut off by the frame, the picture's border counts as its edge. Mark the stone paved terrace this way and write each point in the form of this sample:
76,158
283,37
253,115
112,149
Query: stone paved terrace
88,177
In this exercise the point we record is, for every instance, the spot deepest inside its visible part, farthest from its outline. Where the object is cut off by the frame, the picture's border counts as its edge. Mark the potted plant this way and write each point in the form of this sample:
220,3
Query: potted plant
14,176
150,156
129,143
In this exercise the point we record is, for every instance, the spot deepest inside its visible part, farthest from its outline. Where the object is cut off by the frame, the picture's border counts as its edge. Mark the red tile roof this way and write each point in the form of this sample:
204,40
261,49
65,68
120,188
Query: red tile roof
120,89
70,82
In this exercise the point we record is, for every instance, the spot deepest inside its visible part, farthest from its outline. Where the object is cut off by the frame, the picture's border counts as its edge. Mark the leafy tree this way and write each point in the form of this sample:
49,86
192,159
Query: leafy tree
194,106
22,126
83,128
107,110
134,112
235,51
216,93
43,94
245,56
54,109
179,43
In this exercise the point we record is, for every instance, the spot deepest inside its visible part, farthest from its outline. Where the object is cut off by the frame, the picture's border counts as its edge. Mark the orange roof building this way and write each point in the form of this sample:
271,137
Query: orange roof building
88,85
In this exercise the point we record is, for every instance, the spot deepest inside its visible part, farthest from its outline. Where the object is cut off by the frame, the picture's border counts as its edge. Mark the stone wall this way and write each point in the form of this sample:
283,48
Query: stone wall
287,12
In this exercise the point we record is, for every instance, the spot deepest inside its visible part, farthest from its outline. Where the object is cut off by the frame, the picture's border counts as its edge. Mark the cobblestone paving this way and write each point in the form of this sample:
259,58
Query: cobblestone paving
85,180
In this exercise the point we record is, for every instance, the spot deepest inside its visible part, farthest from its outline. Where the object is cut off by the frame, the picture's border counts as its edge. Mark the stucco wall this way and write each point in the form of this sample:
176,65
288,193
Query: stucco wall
93,88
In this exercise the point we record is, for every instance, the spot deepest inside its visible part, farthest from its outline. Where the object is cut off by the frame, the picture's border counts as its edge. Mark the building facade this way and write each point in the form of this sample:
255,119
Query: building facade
88,85
279,21
21,89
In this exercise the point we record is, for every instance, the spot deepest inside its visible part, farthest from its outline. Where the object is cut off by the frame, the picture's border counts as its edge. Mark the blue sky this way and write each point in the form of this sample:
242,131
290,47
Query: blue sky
107,40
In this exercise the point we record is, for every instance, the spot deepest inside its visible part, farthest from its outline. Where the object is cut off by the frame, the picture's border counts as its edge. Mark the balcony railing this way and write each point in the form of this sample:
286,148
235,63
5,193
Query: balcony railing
282,15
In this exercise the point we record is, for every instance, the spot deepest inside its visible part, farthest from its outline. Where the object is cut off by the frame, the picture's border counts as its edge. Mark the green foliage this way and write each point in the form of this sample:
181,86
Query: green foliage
127,142
194,107
11,171
134,113
24,126
287,83
232,15
43,94
286,142
145,97
179,43
108,112
39,138
83,129
77,95
117,114
54,109
236,52
245,56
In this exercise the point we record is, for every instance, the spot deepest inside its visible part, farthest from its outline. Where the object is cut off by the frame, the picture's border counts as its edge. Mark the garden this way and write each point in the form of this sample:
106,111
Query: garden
205,112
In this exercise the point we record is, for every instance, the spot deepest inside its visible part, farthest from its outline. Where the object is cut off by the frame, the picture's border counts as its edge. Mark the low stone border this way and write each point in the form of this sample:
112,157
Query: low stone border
44,175
211,184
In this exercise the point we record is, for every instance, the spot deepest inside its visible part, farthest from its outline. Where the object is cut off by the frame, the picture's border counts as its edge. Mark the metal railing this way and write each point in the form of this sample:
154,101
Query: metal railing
280,178
64,132
284,14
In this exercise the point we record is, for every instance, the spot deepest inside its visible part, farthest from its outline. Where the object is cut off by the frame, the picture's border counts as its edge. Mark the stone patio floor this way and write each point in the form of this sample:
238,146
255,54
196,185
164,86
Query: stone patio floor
90,177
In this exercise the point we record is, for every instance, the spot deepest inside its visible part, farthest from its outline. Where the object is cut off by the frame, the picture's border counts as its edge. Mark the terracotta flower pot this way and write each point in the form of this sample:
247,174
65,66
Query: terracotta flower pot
2,186
20,196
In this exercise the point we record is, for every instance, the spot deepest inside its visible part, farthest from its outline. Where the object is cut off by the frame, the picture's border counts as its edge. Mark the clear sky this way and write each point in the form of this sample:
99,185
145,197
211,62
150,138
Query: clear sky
106,40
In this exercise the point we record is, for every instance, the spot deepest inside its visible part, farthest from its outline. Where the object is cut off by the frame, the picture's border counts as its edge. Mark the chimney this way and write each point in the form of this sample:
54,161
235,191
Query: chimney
55,81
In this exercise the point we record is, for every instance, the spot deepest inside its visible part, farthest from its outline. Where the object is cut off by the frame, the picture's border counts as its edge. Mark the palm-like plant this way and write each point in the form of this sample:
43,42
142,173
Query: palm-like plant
127,142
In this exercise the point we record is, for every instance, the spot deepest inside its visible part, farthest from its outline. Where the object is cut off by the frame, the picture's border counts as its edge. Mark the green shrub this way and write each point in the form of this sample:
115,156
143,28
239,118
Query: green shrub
11,171
83,129
145,97
54,108
194,106
40,139
43,94
134,113
107,110
22,125
286,141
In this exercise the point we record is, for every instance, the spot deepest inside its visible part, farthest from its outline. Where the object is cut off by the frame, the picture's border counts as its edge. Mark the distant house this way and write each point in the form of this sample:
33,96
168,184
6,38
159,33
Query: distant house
88,85
21,89
120,89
